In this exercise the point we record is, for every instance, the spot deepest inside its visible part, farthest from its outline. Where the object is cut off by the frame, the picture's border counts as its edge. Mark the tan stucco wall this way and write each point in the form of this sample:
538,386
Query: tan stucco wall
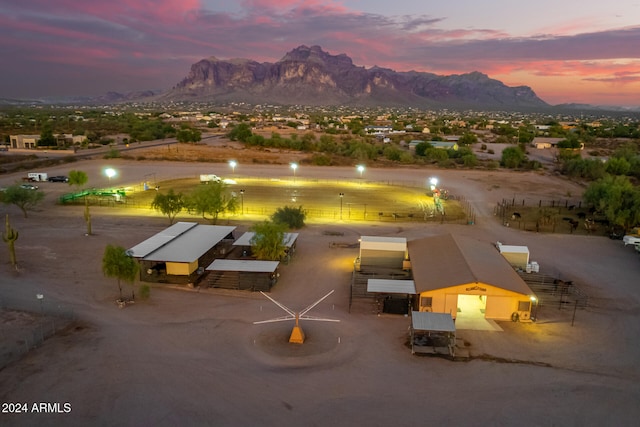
501,303
181,268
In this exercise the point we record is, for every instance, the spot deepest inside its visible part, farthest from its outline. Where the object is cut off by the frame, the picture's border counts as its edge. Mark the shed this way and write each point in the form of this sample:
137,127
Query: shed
463,276
179,253
252,275
385,252
433,333
518,256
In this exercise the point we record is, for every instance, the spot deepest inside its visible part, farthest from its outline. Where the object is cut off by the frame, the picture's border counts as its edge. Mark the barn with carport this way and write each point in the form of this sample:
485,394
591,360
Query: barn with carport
179,253
468,279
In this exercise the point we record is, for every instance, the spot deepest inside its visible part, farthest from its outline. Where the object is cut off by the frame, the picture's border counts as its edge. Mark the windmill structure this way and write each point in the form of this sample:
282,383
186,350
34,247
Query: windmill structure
297,334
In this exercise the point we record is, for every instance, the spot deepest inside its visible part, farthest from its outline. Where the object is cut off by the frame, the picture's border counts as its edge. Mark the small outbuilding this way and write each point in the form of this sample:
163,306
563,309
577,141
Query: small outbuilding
180,253
250,275
382,252
432,333
517,256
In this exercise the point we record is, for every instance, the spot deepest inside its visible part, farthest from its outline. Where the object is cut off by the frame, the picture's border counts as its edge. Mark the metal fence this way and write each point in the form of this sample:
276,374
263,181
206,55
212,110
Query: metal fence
27,324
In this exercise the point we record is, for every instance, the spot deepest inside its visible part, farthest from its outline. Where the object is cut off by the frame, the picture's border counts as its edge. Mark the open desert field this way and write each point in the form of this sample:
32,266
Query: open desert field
194,357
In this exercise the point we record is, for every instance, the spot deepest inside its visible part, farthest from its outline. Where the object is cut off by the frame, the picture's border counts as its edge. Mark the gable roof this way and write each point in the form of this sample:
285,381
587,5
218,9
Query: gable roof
182,242
444,261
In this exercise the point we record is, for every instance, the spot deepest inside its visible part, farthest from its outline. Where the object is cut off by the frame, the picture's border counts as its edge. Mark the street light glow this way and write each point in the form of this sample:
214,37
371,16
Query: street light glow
233,165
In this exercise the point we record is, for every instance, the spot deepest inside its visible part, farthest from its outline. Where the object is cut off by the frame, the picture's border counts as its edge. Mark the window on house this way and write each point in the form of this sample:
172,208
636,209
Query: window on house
524,305
426,301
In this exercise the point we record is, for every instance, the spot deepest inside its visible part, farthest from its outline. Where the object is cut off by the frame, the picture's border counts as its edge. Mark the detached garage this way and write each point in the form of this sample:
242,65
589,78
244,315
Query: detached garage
460,275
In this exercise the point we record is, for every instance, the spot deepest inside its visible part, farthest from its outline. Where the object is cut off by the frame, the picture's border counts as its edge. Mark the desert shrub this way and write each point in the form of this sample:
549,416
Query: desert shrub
144,292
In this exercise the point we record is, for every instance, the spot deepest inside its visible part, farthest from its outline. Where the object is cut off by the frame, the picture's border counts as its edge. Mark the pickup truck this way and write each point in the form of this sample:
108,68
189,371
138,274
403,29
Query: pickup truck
631,239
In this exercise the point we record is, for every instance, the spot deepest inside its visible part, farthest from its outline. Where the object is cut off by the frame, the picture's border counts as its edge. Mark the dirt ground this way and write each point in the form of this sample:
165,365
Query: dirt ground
188,357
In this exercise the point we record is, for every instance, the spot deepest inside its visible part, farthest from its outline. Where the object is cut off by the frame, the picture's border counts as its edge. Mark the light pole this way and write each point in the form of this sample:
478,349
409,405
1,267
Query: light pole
341,196
233,165
294,166
242,201
110,172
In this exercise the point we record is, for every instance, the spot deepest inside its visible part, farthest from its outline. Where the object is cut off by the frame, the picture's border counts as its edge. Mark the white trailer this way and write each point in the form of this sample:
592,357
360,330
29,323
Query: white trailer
37,176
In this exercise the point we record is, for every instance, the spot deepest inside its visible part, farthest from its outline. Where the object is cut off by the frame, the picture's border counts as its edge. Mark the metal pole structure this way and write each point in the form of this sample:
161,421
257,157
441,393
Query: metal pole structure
341,196
242,201
575,307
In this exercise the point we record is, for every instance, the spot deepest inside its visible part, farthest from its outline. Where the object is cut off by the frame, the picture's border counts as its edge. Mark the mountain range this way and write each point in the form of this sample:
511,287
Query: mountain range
311,76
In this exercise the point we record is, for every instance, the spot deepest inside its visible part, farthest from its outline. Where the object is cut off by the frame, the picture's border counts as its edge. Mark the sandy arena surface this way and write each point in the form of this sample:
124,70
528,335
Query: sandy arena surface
196,358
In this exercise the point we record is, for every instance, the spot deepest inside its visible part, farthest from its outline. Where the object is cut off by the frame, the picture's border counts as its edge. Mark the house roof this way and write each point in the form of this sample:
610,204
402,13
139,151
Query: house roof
444,261
253,266
182,242
426,321
288,239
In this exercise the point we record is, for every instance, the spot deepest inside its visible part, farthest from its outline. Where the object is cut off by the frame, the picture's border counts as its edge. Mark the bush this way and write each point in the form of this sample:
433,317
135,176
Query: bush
144,292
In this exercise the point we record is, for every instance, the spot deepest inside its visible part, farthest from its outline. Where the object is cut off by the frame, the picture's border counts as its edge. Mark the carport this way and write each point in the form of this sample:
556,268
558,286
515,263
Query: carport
250,275
432,333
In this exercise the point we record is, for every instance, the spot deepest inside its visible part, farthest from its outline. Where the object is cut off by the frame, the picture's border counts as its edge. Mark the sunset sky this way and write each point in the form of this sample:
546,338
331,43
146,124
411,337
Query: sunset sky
583,51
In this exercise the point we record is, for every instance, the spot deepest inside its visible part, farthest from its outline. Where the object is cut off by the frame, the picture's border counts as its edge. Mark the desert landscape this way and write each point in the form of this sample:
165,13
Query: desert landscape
194,356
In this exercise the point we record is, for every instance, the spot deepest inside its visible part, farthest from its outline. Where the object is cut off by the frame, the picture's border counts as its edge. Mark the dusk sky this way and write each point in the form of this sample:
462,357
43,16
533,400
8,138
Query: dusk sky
583,51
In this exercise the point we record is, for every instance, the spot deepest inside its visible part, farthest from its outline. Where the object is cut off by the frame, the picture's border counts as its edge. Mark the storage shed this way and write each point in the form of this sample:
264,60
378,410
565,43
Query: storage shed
517,256
382,252
180,253
456,274
251,275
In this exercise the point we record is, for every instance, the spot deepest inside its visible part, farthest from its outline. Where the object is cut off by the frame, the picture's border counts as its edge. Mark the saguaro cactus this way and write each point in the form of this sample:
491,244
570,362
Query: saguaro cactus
10,236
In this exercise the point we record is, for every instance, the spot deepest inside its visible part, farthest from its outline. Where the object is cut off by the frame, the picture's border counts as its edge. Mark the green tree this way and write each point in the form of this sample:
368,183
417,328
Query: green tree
241,132
10,236
512,157
47,138
468,138
617,198
78,178
117,264
211,200
289,216
268,240
188,134
24,198
170,204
